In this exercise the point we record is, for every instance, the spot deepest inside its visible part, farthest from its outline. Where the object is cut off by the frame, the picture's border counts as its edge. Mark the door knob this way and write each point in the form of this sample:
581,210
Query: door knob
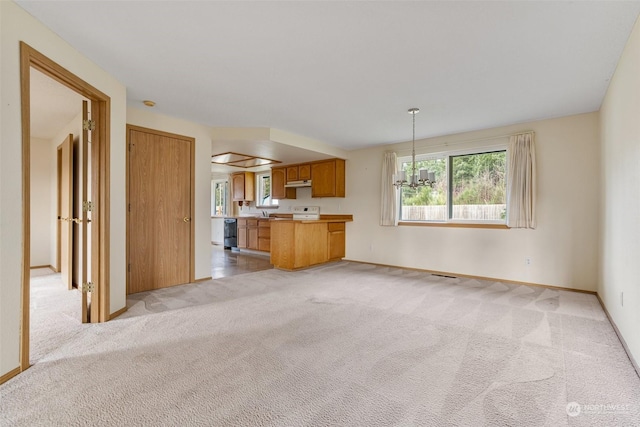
186,219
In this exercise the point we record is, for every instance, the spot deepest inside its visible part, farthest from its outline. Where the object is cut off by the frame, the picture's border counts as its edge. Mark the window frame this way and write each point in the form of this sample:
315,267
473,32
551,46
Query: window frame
225,198
448,158
273,203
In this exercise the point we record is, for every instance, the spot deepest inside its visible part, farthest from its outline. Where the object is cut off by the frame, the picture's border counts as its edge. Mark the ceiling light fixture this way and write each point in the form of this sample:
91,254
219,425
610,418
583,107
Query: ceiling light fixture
148,103
241,160
425,178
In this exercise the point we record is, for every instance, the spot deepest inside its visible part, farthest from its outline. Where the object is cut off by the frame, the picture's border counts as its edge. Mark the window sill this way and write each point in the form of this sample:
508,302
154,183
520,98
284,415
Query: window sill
453,224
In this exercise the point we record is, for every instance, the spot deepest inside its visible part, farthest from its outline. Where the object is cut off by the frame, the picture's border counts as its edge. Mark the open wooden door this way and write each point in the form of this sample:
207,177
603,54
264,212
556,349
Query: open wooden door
86,285
65,210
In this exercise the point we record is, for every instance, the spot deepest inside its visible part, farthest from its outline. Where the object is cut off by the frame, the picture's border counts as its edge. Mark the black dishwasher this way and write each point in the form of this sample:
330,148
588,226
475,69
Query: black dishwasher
230,233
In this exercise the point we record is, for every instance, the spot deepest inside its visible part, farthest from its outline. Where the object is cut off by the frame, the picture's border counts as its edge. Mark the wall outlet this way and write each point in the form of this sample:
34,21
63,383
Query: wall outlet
527,261
622,299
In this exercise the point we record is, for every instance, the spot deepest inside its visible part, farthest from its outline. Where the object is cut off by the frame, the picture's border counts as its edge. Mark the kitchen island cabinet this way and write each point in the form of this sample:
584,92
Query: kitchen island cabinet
298,244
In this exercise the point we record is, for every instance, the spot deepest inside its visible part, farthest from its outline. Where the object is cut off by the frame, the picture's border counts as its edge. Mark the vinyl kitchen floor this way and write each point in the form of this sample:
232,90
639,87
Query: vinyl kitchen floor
225,263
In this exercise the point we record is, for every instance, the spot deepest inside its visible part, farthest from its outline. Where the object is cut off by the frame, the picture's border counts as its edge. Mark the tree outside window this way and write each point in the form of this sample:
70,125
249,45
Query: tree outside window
469,187
263,190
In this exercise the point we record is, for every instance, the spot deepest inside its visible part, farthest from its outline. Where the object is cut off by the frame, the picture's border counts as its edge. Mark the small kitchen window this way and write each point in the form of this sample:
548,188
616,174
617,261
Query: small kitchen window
219,189
263,190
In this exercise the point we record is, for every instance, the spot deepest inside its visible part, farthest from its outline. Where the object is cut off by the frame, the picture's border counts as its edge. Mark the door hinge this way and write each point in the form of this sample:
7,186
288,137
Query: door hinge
129,207
129,268
87,287
87,206
88,124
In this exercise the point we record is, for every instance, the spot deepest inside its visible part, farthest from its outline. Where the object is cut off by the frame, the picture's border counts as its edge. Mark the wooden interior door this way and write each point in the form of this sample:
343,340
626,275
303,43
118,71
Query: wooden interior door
65,210
82,213
159,211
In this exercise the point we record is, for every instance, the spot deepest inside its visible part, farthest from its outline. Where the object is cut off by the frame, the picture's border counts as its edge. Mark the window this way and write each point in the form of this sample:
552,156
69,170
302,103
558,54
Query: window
468,187
263,190
219,190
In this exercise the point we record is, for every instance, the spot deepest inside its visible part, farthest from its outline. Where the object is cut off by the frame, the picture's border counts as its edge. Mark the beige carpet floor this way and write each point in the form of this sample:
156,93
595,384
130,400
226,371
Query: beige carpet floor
343,344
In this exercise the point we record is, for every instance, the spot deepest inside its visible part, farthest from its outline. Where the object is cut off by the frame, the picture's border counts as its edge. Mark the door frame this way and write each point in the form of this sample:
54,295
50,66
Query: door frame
192,183
100,185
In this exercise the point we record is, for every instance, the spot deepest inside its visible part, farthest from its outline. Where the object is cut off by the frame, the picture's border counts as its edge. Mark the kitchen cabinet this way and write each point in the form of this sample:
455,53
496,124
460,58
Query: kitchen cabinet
336,240
299,172
254,233
242,233
328,178
299,244
243,186
278,180
264,235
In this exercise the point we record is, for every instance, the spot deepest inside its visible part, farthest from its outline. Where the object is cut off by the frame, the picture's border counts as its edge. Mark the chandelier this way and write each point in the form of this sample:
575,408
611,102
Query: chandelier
424,178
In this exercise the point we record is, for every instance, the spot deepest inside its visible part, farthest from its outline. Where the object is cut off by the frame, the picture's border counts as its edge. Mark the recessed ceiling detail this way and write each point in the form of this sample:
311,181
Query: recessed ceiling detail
240,160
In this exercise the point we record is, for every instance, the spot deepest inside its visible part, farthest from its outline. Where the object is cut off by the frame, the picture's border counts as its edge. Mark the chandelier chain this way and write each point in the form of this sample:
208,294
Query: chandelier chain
425,178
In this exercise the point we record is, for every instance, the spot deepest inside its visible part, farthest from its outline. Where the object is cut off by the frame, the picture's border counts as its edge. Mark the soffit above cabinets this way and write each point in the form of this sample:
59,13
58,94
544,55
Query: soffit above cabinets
241,160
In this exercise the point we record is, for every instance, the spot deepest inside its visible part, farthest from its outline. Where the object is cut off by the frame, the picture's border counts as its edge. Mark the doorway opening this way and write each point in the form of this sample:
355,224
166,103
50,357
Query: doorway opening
97,191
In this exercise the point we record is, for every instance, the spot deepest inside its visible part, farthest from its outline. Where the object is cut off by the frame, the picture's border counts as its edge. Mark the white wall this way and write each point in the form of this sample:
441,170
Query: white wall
16,25
202,217
563,248
41,230
620,133
217,230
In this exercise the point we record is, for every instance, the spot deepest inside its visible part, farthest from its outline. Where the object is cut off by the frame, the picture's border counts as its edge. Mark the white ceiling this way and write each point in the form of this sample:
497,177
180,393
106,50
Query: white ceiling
345,72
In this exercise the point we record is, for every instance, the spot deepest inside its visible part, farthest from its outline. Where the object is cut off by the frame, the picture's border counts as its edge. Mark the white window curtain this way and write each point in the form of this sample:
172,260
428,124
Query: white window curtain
389,200
521,181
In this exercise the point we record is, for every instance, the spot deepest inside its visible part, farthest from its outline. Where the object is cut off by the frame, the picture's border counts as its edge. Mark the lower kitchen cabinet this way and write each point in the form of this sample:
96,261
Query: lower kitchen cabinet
336,240
300,244
242,233
264,235
254,234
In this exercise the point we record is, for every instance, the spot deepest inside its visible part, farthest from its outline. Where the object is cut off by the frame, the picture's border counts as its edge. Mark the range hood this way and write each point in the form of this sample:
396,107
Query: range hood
296,184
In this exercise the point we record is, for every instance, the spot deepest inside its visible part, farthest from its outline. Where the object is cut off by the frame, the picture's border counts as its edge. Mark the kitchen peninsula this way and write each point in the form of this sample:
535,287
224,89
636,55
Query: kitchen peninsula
299,243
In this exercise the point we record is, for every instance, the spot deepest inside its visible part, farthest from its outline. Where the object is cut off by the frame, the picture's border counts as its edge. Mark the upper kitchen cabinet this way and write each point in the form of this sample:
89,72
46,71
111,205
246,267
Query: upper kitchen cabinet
328,178
278,180
299,172
243,186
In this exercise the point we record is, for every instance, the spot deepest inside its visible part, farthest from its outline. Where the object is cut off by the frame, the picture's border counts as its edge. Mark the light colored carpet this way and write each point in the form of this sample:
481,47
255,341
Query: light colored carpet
342,344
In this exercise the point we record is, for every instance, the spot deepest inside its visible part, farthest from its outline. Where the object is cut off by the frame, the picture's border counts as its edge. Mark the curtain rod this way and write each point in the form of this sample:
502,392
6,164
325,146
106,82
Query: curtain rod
465,141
